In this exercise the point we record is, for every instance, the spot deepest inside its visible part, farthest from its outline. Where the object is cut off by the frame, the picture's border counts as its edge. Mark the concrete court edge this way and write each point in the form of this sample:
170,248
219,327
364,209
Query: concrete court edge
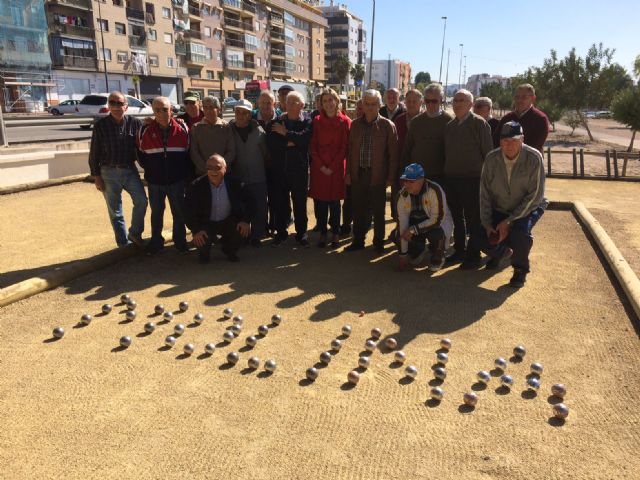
32,286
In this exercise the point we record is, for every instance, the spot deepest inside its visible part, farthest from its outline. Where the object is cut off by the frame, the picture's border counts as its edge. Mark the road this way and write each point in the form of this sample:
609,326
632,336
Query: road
53,132
604,130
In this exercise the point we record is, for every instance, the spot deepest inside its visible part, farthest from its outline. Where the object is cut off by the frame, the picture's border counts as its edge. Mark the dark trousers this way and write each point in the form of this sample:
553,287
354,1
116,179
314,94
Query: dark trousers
228,230
519,238
463,198
347,207
272,193
393,201
435,237
175,194
258,191
327,209
368,199
293,185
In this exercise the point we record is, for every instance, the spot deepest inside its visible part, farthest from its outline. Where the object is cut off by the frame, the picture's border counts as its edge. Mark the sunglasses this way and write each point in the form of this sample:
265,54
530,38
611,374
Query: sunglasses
431,101
116,103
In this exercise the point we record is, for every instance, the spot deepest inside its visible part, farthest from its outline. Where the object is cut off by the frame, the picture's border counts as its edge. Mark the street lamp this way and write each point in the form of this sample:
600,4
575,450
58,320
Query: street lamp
460,70
442,54
446,81
373,28
104,59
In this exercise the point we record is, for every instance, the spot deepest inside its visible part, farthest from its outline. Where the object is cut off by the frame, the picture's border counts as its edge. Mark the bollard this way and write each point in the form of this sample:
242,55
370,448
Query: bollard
615,164
575,163
582,163
548,160
608,162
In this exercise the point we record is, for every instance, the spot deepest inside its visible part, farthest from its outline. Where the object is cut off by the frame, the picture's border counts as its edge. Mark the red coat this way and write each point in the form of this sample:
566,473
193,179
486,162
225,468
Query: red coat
329,144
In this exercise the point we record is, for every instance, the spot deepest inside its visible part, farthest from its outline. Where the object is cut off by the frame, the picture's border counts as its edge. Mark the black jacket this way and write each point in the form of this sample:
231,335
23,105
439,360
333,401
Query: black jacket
290,158
198,202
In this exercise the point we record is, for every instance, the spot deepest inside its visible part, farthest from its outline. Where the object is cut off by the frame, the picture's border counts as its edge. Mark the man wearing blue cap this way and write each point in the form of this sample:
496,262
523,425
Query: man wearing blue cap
423,215
511,202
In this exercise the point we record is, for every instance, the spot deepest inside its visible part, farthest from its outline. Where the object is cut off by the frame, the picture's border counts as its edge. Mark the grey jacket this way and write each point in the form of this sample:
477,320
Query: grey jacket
249,166
207,139
517,198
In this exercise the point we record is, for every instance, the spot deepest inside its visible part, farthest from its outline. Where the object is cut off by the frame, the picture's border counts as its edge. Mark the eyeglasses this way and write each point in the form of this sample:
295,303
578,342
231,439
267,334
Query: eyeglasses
189,102
431,101
215,168
116,103
161,109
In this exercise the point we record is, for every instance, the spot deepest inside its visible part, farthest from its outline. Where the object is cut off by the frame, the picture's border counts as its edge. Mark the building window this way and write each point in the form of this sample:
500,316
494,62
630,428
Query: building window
106,54
317,43
219,55
168,38
288,33
170,62
258,62
209,54
207,32
153,61
257,26
218,35
194,72
318,70
153,35
118,3
103,25
122,57
166,12
210,75
120,29
318,56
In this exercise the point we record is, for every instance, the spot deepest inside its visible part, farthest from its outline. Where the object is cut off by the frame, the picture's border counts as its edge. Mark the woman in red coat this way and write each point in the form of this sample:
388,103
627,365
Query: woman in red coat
328,157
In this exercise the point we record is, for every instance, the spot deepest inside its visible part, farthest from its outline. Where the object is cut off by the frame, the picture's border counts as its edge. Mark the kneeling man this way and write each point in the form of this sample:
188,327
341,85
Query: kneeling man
218,205
423,215
511,201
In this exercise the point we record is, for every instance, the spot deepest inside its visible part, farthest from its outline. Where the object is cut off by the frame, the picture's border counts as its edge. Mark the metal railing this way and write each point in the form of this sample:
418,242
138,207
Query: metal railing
196,57
71,61
181,49
193,34
248,7
135,13
73,30
137,41
277,36
86,4
195,11
232,22
575,164
277,52
237,4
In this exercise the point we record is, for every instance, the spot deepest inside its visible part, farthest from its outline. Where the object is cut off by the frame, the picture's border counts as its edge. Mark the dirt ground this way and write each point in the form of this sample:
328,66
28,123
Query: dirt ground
83,408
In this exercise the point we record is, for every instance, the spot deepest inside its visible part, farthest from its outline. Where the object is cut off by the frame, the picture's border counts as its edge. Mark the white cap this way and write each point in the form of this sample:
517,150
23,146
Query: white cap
244,104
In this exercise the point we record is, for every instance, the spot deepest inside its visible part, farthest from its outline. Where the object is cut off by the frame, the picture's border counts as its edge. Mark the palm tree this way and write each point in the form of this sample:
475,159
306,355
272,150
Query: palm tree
341,68
357,72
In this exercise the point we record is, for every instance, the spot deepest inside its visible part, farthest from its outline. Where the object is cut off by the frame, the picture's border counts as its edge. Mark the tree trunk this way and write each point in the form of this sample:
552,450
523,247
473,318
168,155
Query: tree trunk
585,122
633,137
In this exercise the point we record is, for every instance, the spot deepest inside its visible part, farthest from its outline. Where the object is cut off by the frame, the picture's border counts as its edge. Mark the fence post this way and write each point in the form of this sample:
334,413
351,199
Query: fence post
608,161
575,163
615,164
548,160
624,164
582,162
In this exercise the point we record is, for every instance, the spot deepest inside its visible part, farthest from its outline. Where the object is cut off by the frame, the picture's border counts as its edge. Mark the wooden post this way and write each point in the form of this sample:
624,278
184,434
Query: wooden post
615,164
575,163
548,160
624,164
582,163
608,161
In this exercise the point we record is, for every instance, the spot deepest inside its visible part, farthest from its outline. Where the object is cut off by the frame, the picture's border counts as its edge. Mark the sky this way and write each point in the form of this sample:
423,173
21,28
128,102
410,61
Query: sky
499,38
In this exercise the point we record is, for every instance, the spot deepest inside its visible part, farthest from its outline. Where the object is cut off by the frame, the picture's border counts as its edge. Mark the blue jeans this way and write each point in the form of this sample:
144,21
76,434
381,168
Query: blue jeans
116,180
157,195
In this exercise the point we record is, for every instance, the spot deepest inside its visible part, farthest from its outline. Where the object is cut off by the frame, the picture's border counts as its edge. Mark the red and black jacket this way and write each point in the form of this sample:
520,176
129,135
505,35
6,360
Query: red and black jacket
165,161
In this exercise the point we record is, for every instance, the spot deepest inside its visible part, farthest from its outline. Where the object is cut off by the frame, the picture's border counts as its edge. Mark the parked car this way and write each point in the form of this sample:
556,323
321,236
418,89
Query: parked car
68,106
229,103
96,106
175,107
602,114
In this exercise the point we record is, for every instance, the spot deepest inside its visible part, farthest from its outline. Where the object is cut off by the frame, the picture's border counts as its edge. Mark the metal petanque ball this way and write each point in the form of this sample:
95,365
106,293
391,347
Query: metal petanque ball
436,393
58,332
238,320
210,348
131,315
183,306
440,373
364,362
537,368
170,341
483,376
233,358
251,341
533,384
254,362
325,357
411,371
370,346
159,309
470,399
519,351
189,349
312,373
560,410
443,358
168,316
86,319
445,343
235,329
227,313
228,336
346,330
391,343
506,381
276,319
124,298
353,377
198,318
558,390
376,333
125,341
178,329
106,308
500,363
400,356
132,305
263,330
336,345
270,365
149,327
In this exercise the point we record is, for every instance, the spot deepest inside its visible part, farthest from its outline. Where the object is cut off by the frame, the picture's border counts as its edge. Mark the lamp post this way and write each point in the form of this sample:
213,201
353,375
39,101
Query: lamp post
373,28
446,81
442,54
460,70
104,59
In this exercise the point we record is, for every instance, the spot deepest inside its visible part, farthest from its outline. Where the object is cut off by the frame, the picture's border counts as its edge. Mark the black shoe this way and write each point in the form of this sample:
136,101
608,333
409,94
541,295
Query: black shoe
518,279
457,257
495,263
232,257
471,264
378,248
151,250
393,236
322,243
316,228
183,249
279,240
354,247
345,229
137,240
303,242
203,259
256,243
335,242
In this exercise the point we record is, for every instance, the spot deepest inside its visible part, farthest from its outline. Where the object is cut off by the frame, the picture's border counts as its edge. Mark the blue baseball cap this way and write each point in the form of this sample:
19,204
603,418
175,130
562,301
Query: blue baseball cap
412,172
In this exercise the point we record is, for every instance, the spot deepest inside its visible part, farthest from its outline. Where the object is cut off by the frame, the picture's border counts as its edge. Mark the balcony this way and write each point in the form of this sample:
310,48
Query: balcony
181,49
235,64
181,72
195,34
234,42
232,4
249,7
83,4
237,24
277,52
195,11
137,41
276,36
135,14
75,62
72,30
276,20
196,58
149,18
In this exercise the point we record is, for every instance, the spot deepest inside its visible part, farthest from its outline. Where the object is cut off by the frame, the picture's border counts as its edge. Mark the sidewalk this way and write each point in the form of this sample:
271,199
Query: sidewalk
48,228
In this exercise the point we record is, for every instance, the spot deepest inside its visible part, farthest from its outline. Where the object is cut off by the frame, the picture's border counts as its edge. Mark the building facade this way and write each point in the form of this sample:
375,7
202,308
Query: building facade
475,82
392,73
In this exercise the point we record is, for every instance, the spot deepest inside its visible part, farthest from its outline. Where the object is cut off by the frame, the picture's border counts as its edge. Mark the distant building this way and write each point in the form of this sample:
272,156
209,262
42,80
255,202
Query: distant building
392,73
475,82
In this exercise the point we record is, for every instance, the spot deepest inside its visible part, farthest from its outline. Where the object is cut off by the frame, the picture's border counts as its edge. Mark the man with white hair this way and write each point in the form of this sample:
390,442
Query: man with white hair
467,142
372,165
392,106
212,135
511,202
483,106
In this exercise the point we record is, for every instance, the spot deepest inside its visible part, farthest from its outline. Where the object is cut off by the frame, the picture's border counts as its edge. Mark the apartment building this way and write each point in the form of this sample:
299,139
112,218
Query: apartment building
392,73
475,82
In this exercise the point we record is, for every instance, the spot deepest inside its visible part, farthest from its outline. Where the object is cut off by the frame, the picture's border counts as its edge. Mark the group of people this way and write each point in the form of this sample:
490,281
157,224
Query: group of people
468,178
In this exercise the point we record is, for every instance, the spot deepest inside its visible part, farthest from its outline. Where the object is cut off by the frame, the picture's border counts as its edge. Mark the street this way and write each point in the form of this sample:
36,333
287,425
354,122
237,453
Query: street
47,133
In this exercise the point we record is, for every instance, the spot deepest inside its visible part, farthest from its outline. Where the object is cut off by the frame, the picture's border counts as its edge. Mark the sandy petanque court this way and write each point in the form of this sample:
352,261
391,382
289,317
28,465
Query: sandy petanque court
82,408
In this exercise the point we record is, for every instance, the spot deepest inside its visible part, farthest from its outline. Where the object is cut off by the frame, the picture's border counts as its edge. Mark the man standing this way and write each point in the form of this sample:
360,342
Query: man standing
251,154
266,111
216,204
283,91
392,106
511,201
425,137
163,148
192,112
112,163
534,122
371,164
483,107
423,216
211,135
467,142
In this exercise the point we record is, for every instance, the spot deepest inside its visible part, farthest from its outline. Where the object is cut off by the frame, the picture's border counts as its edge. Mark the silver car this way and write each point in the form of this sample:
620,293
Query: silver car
96,106
68,106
